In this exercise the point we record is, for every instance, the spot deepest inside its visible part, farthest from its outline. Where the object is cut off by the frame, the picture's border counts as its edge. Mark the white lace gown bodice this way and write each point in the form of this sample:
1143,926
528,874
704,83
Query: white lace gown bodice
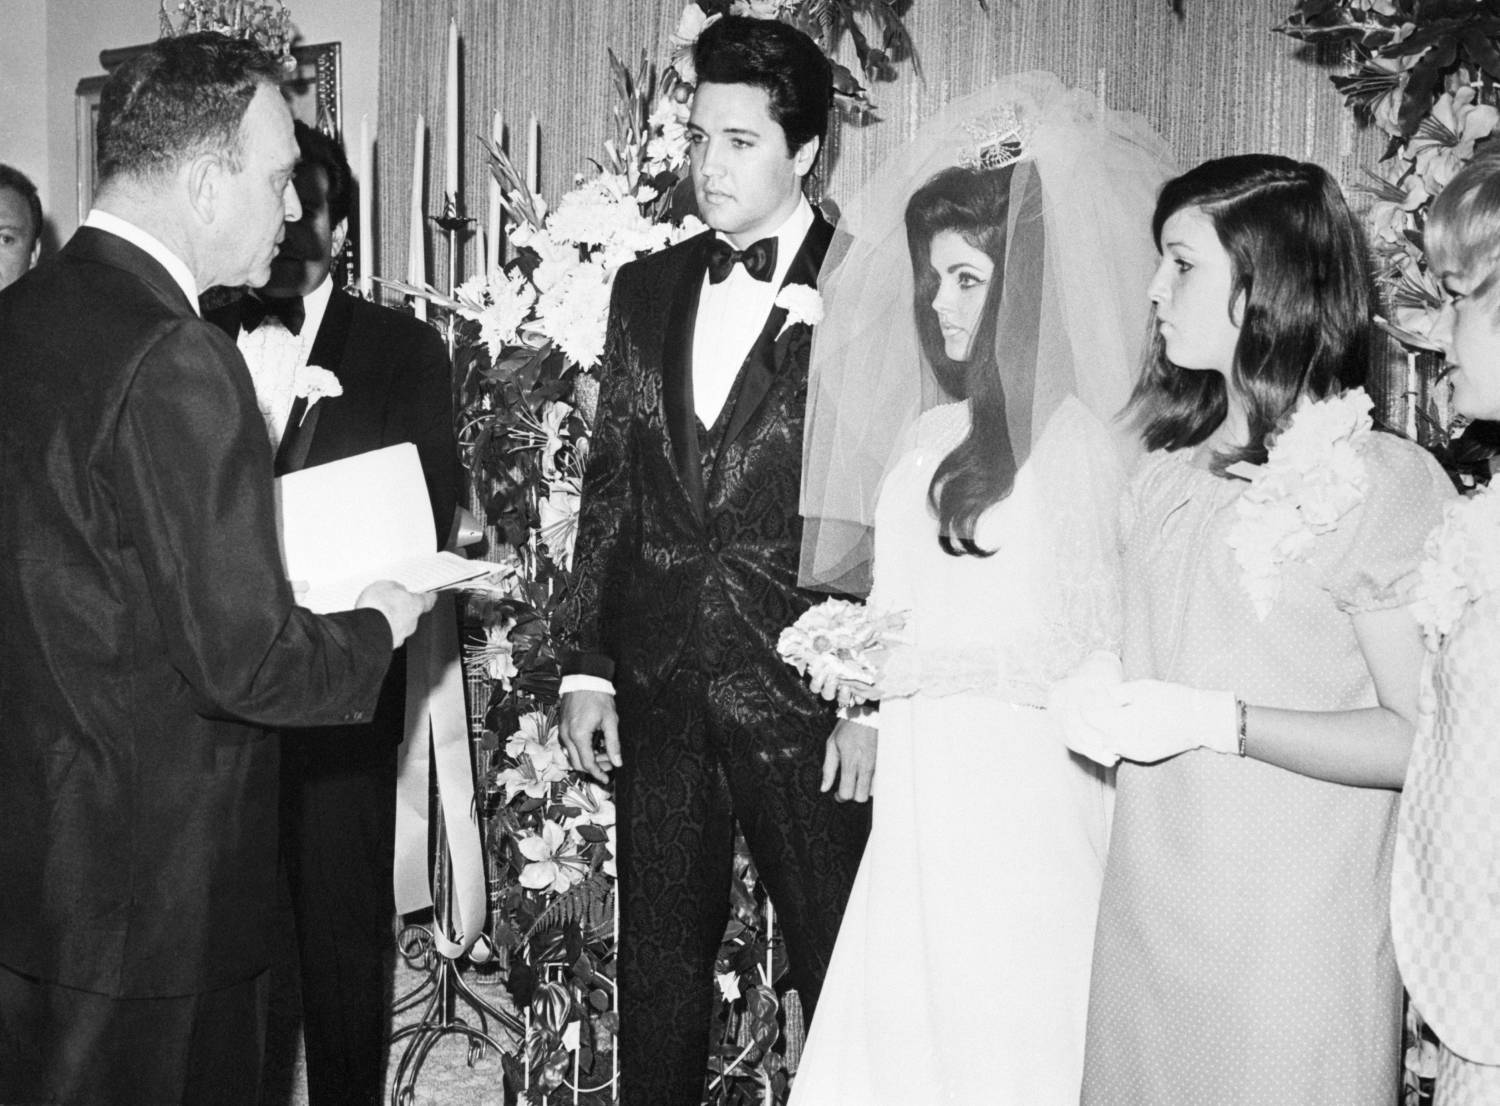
961,972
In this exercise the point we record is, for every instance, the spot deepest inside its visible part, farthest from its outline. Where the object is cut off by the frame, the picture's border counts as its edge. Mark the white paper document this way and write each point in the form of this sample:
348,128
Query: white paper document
348,523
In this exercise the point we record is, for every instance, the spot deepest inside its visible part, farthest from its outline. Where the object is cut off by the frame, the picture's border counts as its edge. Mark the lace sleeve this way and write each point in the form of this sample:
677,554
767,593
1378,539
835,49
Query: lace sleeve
1083,485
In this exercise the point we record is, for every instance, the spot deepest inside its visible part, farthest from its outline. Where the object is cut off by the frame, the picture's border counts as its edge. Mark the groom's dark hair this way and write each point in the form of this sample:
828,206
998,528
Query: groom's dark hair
776,57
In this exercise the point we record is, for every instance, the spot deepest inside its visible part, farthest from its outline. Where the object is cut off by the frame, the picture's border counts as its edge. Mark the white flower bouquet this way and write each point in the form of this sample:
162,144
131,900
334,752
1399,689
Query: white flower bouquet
836,645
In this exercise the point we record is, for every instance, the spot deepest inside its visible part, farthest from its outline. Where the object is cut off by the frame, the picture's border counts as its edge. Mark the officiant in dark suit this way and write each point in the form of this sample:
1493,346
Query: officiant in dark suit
151,638
339,784
687,556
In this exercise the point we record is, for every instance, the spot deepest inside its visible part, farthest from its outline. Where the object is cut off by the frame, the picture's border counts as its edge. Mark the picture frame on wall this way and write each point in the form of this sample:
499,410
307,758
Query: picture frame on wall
314,90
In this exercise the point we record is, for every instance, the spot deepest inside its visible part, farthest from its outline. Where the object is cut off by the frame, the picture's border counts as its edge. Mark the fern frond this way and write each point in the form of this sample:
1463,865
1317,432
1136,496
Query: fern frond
586,903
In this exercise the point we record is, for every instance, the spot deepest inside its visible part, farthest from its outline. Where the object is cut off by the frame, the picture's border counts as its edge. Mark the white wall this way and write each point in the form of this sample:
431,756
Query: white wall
46,48
355,25
23,101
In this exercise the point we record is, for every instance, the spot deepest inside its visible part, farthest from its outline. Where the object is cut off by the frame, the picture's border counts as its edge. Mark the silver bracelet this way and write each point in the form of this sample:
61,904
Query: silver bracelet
1244,711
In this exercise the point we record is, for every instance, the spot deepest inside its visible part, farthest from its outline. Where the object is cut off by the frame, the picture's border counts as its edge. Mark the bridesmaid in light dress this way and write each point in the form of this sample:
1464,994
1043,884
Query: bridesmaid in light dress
1243,953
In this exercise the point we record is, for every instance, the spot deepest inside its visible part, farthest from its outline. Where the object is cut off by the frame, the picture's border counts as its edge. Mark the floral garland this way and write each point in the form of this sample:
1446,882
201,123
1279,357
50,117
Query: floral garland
1311,479
1461,564
1425,73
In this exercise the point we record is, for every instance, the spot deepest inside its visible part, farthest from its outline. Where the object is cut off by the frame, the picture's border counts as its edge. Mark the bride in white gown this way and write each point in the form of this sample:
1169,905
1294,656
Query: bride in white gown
983,319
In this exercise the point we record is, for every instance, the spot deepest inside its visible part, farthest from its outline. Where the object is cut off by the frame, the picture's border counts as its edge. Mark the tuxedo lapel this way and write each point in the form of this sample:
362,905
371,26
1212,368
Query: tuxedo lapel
291,454
327,352
677,373
766,361
93,244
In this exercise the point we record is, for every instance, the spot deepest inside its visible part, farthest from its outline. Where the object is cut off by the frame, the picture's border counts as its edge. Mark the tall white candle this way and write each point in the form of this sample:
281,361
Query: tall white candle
416,253
534,156
492,243
451,122
366,209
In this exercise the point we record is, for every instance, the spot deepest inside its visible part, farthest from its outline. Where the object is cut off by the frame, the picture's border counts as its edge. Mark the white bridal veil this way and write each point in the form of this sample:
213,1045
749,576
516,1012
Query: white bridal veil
1072,312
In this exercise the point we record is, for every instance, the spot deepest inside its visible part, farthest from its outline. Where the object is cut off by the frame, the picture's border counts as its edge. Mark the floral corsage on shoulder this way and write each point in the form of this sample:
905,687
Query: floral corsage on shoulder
1461,564
1313,476
834,645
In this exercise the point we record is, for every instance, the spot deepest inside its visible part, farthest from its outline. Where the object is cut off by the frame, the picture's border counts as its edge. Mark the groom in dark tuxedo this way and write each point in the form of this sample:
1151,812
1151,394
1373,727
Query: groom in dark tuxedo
339,783
686,569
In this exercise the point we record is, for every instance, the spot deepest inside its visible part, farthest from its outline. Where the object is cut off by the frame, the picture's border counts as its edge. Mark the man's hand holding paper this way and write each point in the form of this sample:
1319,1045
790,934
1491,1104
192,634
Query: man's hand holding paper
349,523
400,607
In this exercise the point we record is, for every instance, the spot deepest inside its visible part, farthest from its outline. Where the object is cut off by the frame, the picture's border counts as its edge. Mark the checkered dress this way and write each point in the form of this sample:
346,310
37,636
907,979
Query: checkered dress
1445,895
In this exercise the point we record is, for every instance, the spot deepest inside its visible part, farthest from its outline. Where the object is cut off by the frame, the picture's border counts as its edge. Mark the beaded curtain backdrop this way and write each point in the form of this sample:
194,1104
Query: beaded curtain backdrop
1215,80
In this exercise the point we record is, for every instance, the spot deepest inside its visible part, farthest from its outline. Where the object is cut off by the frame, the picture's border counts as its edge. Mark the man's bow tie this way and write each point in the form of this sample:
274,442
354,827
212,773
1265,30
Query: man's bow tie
290,313
759,259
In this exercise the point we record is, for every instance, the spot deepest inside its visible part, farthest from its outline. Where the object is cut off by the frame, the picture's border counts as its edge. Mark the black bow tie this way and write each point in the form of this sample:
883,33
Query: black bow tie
759,259
289,312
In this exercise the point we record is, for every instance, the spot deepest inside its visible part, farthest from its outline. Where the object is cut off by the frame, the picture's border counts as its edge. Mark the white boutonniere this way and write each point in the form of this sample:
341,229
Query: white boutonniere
803,305
1312,478
314,383
1461,564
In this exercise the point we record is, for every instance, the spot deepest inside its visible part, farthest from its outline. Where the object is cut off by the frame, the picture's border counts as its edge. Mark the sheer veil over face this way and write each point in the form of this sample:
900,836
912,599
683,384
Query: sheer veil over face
1068,318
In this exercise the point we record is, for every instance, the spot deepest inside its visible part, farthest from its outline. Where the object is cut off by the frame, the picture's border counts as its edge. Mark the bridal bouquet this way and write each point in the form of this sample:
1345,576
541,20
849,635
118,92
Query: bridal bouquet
835,645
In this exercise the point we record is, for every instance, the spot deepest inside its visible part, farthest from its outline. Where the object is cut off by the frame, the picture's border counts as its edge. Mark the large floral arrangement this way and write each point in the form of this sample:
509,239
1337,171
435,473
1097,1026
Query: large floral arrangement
1424,72
529,337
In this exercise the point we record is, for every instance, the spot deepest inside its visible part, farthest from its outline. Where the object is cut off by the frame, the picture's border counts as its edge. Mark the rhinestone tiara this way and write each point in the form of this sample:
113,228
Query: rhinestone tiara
998,139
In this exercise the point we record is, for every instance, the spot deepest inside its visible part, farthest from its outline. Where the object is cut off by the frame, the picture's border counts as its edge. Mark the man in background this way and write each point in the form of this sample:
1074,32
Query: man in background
339,783
20,225
151,638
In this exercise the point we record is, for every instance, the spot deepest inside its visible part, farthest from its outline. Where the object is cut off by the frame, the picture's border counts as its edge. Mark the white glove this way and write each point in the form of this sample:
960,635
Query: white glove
1090,686
1153,720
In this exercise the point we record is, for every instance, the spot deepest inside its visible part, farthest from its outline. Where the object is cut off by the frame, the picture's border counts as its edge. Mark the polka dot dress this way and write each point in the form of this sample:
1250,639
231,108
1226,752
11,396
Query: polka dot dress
1243,952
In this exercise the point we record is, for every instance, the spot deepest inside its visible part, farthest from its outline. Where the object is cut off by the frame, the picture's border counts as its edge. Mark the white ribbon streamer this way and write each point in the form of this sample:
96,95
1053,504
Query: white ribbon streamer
437,739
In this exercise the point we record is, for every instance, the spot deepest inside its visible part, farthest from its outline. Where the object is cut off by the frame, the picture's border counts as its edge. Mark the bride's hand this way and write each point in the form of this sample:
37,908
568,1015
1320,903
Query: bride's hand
850,759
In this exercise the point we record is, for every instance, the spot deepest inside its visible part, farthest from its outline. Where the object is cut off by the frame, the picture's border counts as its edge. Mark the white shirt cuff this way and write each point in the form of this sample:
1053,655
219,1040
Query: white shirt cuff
866,714
580,682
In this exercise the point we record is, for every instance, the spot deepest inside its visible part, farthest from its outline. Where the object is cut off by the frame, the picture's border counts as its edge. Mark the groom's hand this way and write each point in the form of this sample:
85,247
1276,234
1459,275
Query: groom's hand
851,760
584,714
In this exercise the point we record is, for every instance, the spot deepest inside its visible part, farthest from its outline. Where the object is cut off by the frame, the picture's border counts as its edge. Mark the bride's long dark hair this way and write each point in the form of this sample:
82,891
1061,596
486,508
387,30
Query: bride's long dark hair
981,470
